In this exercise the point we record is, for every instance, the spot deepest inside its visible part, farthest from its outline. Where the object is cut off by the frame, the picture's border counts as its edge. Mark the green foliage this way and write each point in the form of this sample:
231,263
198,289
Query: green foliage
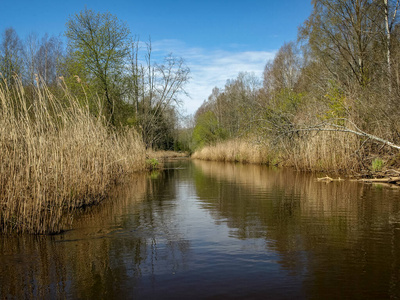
336,103
207,131
98,44
287,101
152,164
281,110
377,165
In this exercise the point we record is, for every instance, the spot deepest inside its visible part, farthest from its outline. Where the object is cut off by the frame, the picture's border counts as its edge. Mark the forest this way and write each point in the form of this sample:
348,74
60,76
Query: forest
78,111
328,101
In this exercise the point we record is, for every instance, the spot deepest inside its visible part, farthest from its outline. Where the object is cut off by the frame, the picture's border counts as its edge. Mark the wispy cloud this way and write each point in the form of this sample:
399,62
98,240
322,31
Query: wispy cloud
212,68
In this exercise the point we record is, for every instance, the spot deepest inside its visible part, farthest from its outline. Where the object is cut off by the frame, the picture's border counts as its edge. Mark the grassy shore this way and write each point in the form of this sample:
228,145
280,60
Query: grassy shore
326,151
55,157
238,150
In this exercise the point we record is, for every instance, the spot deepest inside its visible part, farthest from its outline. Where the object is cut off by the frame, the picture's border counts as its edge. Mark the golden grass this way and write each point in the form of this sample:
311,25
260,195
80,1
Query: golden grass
337,152
235,151
56,157
323,151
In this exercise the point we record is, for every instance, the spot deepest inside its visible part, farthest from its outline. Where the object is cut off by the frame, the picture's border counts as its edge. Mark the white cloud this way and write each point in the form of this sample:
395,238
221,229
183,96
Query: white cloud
211,68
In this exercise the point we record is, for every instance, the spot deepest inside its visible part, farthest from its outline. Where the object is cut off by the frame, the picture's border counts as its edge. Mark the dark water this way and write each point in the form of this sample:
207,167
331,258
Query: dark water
203,230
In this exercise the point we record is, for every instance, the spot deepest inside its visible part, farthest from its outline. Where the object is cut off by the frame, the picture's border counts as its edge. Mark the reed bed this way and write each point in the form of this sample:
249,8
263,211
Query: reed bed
55,157
337,152
237,150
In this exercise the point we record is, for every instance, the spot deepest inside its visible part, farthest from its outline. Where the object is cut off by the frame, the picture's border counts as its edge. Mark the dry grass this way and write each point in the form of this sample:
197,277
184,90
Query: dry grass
235,151
162,154
55,157
326,151
323,151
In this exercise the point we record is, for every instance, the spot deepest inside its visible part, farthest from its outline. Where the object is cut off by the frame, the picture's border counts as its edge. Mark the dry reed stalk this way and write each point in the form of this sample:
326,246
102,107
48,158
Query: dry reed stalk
322,151
325,151
234,151
55,157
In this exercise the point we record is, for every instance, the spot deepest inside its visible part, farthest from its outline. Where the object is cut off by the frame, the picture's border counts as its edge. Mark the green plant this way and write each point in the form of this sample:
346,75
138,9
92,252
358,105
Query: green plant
377,165
152,163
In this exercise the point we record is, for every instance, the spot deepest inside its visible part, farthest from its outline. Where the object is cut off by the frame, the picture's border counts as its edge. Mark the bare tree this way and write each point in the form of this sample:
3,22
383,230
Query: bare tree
165,84
341,34
47,58
390,14
11,62
284,71
30,50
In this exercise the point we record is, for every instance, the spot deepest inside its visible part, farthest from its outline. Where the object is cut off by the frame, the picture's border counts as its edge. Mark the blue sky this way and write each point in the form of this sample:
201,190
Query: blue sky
217,38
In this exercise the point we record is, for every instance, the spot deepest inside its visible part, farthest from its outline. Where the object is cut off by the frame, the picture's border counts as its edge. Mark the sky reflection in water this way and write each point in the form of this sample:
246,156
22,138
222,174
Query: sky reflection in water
210,230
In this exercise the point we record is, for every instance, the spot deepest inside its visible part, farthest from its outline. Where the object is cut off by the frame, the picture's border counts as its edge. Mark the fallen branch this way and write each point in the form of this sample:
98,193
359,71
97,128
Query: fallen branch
394,171
326,126
384,180
328,179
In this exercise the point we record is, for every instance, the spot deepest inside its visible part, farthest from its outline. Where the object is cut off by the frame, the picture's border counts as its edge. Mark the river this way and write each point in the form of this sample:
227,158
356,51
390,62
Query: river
208,230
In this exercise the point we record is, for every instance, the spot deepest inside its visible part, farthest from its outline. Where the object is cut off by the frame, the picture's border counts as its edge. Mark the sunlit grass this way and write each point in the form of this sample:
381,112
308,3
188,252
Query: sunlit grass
55,157
325,151
235,151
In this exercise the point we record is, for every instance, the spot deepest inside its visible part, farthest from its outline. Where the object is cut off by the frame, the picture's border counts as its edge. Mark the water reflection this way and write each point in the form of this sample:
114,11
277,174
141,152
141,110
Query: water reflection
213,230
342,238
116,242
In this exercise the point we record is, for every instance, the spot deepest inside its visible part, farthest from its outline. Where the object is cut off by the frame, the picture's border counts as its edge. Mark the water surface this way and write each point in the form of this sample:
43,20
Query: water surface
207,230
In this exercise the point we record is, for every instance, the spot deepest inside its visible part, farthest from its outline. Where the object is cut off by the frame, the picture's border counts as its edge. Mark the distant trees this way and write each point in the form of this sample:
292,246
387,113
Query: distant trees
11,51
102,61
284,71
163,83
333,97
228,113
42,57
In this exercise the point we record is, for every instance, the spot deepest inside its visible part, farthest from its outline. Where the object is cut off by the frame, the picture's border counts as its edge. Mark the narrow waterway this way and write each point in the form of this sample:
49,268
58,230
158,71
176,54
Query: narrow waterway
207,230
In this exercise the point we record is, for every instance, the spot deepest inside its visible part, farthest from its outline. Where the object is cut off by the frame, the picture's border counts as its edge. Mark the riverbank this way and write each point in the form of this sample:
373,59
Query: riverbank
331,152
237,150
163,154
56,157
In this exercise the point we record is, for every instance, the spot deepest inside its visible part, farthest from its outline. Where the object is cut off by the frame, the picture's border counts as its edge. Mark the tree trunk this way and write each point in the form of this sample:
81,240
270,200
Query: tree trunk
388,42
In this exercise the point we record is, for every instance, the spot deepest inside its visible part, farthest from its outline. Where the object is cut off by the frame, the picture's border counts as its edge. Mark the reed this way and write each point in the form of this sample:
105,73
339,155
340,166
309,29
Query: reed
238,150
55,157
337,152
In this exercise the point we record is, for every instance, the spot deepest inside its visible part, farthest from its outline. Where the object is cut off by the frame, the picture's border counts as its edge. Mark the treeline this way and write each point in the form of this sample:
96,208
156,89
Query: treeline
329,101
101,59
76,119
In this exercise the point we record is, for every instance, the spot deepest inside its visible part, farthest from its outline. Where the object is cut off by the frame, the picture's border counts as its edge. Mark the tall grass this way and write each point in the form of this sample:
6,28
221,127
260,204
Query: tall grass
237,150
315,151
338,152
55,157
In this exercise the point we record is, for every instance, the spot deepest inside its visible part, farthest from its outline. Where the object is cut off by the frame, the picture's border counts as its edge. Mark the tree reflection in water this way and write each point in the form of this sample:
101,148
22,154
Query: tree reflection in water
342,238
117,241
217,230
